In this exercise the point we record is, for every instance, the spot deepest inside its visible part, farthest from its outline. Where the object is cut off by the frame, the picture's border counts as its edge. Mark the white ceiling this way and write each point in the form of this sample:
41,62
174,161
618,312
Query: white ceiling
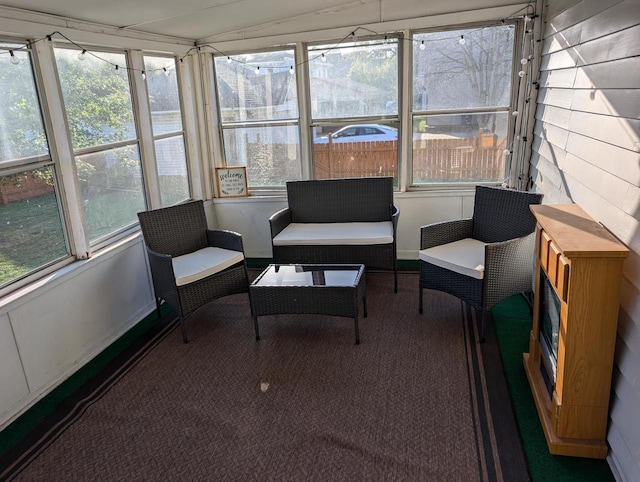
219,20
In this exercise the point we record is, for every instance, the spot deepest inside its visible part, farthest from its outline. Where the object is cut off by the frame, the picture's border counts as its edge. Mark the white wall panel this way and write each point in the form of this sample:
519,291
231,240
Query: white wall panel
69,318
558,78
12,378
613,102
618,131
617,46
608,157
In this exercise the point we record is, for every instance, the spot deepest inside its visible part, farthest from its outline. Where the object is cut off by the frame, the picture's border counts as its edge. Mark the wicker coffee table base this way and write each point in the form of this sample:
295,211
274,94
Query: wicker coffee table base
314,299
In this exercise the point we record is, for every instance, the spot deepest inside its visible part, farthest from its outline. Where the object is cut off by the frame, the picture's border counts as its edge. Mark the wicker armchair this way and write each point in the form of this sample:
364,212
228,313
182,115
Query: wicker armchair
484,259
190,264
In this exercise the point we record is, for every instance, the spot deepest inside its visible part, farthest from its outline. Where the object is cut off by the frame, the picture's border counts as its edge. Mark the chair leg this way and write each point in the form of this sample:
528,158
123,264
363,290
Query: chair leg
395,279
184,330
481,324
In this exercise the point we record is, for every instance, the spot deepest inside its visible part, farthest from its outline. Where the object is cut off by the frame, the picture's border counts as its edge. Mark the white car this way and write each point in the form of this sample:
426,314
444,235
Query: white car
361,133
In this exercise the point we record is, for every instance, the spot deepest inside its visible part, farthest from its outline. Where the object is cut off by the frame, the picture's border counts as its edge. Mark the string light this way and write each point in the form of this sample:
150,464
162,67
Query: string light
143,75
521,73
257,71
228,59
462,41
324,57
506,152
82,55
524,61
166,72
422,45
14,60
514,113
291,70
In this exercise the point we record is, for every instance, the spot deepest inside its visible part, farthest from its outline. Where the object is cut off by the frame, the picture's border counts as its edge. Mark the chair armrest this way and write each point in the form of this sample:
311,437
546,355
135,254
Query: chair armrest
164,279
279,220
508,269
221,238
395,214
445,232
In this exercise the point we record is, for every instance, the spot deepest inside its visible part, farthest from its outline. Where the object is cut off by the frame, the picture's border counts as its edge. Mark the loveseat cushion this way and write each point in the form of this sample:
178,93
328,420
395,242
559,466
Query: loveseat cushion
465,256
326,234
195,266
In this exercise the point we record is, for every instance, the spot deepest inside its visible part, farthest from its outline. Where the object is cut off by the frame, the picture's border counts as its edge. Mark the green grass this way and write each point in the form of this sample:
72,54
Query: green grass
31,236
513,324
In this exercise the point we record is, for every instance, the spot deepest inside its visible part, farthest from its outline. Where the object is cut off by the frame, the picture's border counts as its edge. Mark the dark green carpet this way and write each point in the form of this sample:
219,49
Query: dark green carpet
513,323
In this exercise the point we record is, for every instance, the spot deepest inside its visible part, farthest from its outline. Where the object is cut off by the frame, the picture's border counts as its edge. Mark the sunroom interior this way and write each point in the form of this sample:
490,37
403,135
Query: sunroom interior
109,109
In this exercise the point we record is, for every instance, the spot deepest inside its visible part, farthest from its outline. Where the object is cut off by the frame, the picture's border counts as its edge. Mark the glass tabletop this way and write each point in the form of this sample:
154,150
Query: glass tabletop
309,275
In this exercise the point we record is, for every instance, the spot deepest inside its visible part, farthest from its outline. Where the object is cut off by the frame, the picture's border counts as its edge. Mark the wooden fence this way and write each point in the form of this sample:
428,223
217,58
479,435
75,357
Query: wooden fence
442,159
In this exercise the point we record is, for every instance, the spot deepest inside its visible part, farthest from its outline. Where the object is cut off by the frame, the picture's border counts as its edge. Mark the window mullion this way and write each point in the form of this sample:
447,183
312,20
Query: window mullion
145,131
304,110
406,101
60,146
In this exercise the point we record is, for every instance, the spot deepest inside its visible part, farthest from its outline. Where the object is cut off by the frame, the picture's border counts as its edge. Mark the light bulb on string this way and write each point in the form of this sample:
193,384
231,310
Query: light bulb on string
506,152
166,72
422,45
524,61
291,70
521,73
228,59
323,57
527,19
82,55
14,60
462,41
514,113
144,75
257,71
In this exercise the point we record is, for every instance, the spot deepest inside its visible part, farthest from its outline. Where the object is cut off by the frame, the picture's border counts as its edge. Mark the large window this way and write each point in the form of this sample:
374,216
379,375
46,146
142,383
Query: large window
168,133
31,229
258,102
97,98
461,98
354,108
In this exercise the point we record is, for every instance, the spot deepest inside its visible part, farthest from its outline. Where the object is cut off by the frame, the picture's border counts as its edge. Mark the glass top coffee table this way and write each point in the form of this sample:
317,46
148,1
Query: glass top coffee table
321,289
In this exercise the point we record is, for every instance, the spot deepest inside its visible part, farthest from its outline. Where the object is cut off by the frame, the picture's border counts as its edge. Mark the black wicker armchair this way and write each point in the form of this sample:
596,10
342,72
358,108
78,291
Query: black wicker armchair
190,264
484,259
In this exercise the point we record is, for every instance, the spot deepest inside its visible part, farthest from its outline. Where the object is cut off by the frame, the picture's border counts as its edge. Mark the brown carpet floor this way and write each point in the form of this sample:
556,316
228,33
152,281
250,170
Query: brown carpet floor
416,400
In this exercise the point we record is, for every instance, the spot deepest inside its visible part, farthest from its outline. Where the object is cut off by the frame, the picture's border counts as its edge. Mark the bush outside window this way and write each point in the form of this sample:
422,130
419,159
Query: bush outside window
31,229
258,102
97,100
168,133
461,97
354,108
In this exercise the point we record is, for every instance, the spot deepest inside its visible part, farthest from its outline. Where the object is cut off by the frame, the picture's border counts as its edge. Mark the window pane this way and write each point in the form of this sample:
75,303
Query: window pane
269,94
271,154
356,150
448,75
21,130
32,235
353,80
172,170
111,185
97,97
459,147
164,100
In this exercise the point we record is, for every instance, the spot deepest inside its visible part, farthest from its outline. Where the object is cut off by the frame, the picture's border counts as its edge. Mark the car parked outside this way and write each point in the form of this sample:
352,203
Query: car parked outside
361,133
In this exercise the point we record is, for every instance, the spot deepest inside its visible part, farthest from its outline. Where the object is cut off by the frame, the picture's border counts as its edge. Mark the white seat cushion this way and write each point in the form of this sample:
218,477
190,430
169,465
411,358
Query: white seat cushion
308,234
202,263
465,257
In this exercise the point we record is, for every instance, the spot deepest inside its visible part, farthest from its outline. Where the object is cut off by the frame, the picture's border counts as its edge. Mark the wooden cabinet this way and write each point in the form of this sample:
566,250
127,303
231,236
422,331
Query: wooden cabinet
575,315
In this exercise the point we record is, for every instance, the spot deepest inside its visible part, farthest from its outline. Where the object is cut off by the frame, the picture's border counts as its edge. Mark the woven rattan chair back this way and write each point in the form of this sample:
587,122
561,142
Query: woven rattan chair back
341,200
501,214
175,230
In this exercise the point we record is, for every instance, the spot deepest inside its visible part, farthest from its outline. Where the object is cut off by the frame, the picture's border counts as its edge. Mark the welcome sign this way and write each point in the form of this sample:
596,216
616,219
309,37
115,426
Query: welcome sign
232,181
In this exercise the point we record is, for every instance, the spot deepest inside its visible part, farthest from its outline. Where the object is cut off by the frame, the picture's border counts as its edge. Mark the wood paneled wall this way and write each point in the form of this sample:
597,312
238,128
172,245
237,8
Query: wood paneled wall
586,150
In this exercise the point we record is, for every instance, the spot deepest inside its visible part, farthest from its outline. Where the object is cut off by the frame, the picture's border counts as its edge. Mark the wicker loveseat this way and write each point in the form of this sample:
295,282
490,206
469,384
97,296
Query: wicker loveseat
349,220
